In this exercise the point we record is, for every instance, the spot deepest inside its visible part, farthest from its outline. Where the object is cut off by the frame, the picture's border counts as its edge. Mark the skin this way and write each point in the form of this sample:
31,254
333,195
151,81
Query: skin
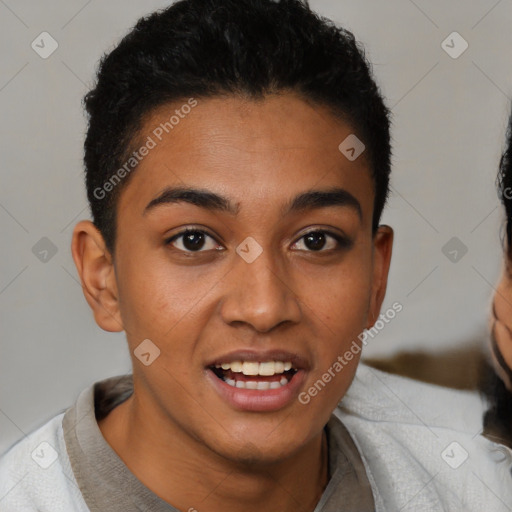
196,306
501,323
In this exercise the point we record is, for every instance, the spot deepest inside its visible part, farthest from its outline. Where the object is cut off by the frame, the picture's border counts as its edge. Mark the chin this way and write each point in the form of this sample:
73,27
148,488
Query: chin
251,455
261,450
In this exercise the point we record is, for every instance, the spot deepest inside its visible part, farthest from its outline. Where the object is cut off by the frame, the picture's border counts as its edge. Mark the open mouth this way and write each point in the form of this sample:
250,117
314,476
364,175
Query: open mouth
254,375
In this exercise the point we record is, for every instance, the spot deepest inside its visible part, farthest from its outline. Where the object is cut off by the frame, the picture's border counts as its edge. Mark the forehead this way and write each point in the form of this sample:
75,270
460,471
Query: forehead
261,151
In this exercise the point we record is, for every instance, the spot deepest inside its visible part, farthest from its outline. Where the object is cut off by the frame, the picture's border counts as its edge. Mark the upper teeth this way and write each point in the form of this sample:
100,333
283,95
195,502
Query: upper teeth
255,368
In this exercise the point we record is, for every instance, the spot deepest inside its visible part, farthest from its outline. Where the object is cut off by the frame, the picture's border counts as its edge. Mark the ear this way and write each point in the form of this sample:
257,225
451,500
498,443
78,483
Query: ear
382,249
96,270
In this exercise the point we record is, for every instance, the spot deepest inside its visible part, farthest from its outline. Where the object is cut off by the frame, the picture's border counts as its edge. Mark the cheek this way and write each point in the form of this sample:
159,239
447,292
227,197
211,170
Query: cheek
339,303
339,298
155,297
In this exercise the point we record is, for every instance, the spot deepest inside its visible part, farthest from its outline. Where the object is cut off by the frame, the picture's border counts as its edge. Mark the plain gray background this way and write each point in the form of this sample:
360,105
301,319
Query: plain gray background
448,128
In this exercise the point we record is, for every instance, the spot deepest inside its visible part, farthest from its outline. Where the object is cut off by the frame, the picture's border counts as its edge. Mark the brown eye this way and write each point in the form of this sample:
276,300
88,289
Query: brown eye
321,241
315,241
193,241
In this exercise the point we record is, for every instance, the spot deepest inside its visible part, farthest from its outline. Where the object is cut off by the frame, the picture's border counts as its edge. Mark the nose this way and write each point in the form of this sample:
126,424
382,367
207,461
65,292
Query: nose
260,294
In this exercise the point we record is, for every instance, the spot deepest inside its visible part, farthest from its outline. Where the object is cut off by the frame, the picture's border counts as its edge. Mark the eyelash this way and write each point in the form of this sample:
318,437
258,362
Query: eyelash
343,242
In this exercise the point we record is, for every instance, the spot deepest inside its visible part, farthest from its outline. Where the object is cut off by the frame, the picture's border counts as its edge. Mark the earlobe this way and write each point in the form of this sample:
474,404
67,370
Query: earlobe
382,250
96,270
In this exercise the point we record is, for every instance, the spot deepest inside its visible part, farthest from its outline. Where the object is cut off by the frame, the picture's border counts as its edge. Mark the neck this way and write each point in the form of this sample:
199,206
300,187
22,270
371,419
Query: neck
185,473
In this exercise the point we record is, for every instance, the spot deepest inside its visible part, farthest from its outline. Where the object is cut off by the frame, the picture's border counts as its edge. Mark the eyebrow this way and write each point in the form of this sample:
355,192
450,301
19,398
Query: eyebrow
310,200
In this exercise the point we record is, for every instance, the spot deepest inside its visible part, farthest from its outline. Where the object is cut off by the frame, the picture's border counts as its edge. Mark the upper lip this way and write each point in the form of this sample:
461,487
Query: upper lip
298,362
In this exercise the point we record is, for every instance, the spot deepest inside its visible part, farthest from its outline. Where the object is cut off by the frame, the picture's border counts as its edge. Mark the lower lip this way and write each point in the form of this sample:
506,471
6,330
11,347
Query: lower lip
257,399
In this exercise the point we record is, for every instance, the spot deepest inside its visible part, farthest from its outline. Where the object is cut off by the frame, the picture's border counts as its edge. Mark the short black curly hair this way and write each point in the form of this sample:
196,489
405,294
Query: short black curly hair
208,48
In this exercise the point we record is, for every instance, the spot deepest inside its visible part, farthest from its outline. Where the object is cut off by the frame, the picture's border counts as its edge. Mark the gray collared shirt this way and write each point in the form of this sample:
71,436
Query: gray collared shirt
106,483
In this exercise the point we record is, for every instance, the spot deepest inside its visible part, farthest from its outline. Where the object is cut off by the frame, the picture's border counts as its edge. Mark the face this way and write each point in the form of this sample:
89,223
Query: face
245,253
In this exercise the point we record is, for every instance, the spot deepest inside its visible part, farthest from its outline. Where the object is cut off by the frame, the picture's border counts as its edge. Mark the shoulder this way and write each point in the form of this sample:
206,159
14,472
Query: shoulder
386,398
423,446
35,474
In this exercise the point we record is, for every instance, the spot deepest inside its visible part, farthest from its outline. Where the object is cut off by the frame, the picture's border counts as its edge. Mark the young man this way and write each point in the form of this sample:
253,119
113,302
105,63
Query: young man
237,164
